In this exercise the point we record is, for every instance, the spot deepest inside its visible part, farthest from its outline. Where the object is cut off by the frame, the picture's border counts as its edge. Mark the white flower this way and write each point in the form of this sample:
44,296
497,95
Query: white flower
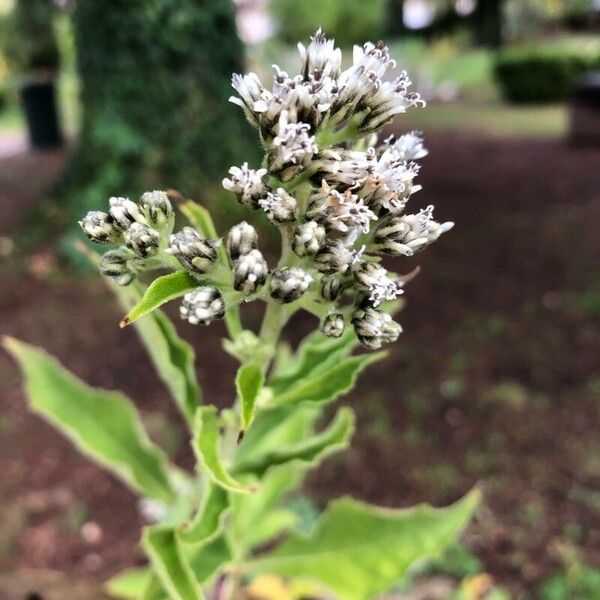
344,212
254,98
247,184
192,250
409,146
142,240
407,234
279,206
320,58
292,146
333,325
375,281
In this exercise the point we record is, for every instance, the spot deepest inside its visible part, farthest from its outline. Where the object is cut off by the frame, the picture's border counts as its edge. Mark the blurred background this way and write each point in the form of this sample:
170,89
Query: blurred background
496,379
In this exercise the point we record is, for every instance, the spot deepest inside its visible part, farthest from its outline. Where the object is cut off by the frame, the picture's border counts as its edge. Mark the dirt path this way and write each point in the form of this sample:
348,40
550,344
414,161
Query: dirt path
496,379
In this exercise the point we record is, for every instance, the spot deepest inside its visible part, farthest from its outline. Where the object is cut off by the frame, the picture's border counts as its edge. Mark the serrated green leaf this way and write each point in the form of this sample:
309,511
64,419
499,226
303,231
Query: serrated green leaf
129,584
325,386
102,424
309,451
172,356
200,218
170,563
206,524
161,290
359,551
206,447
317,352
274,428
248,382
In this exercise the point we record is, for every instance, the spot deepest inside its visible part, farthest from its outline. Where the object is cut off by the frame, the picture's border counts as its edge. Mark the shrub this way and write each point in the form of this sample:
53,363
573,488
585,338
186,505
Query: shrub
348,22
544,73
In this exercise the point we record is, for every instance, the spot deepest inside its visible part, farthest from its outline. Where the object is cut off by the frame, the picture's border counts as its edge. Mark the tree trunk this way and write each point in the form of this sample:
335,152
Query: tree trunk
487,20
155,80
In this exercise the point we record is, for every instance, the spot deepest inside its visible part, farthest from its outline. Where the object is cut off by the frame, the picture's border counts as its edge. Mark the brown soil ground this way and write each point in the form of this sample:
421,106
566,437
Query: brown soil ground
495,380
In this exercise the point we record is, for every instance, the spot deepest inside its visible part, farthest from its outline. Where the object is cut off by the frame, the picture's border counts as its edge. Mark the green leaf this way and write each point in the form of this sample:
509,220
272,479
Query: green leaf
172,356
170,563
325,386
316,353
207,522
207,559
153,590
206,446
161,290
310,450
248,382
258,517
200,218
102,424
272,429
130,584
359,551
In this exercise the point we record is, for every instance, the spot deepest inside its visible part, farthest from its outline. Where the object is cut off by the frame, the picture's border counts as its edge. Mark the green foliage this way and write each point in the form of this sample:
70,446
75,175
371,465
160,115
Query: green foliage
324,386
206,446
349,22
310,450
170,563
358,551
544,72
173,358
248,382
130,584
28,38
154,78
161,290
104,425
207,522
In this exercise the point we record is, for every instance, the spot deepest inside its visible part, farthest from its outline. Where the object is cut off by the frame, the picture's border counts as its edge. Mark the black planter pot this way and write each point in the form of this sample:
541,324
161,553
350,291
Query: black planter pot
39,104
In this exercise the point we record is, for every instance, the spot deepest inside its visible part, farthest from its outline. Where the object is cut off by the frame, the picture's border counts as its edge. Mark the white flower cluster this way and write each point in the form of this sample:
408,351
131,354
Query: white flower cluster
338,195
141,229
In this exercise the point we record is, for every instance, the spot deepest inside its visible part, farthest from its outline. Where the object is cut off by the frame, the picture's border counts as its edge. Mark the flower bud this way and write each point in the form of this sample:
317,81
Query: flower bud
143,240
334,258
125,212
331,288
247,185
115,265
100,227
308,238
156,207
374,327
289,283
333,325
405,235
202,306
279,206
241,239
250,272
192,250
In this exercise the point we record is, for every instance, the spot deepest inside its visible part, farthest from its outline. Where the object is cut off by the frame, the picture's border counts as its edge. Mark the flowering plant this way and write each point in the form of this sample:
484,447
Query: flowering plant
338,199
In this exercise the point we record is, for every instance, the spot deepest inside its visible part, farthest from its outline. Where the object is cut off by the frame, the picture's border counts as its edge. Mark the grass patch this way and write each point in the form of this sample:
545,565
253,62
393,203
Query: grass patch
496,119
